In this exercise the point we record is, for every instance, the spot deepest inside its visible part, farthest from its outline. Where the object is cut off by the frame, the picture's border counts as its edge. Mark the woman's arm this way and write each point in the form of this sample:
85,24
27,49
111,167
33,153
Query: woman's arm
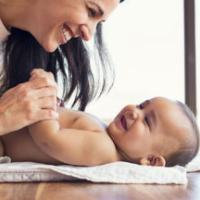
71,146
28,102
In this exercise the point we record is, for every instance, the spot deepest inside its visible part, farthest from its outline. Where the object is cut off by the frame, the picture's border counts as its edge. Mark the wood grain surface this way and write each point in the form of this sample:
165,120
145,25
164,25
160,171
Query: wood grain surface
92,191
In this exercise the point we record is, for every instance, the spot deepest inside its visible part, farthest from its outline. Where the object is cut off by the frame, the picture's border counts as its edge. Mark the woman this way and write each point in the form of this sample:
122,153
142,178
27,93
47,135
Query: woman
46,34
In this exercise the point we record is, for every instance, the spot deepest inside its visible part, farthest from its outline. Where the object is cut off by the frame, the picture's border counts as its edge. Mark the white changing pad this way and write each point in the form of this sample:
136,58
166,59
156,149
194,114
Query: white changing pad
194,165
118,172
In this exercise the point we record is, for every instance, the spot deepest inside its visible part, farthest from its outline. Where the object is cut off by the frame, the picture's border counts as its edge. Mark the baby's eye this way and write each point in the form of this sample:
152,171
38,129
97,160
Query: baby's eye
141,106
144,104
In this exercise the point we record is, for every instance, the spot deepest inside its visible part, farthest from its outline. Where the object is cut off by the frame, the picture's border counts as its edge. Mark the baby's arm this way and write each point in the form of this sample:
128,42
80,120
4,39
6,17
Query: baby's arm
71,146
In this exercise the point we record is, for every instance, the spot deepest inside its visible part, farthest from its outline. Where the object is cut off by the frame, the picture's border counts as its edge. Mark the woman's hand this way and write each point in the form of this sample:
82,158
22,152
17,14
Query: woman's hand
29,102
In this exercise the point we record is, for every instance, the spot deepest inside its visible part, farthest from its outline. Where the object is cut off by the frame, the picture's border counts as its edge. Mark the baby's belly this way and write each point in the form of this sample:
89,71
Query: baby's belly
20,147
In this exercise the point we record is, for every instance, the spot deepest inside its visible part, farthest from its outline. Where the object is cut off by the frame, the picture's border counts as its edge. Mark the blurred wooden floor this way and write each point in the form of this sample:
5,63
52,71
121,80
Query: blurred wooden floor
91,191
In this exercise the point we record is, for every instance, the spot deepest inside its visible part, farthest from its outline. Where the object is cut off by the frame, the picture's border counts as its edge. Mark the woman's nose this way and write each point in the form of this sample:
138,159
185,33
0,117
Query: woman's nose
87,31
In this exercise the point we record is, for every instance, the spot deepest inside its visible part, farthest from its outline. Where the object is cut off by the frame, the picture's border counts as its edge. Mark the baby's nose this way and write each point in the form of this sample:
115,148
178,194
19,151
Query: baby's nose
130,118
132,115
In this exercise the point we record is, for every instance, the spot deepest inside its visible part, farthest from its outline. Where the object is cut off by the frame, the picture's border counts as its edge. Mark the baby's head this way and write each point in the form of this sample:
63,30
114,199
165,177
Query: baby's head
158,132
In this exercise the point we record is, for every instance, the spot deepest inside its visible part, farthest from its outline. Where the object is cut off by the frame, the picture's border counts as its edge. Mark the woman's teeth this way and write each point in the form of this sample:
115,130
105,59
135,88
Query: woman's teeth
66,34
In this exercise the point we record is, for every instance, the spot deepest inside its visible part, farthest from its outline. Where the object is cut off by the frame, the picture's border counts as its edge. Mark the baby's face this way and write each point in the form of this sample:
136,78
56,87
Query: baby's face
156,126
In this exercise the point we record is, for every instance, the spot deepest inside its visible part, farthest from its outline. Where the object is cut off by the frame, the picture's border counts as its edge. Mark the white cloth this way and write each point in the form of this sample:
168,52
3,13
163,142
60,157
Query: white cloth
194,165
117,172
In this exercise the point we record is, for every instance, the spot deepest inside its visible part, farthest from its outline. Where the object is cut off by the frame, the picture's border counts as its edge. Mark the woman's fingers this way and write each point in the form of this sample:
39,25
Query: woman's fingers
25,93
29,102
42,81
36,73
17,112
40,110
45,114
46,92
48,103
46,88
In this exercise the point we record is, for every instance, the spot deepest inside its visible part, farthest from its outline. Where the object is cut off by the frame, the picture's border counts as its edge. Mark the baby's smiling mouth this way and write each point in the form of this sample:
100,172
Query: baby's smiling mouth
127,120
123,122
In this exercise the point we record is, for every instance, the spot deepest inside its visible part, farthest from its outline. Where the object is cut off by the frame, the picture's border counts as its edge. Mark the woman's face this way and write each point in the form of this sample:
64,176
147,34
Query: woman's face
55,22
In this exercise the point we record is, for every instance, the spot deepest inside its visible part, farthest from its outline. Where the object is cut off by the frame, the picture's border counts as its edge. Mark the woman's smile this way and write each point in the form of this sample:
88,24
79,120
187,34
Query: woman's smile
66,34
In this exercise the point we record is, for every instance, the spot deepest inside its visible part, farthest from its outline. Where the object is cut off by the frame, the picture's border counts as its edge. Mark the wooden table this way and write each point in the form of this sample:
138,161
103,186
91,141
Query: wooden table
91,191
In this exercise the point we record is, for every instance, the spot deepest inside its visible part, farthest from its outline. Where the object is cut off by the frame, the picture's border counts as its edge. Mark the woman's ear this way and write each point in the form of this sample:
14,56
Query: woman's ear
153,160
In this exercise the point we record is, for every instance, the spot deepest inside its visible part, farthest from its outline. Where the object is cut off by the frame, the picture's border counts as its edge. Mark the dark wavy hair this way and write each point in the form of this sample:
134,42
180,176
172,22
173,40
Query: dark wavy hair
23,54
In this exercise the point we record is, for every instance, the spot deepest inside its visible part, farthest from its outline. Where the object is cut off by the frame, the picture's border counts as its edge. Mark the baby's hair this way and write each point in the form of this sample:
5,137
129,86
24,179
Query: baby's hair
189,149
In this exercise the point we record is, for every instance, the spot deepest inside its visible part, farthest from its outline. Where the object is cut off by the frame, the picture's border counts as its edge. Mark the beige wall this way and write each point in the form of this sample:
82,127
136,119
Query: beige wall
145,39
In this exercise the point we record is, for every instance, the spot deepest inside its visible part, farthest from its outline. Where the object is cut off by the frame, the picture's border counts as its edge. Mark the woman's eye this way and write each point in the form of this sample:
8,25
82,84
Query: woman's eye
92,12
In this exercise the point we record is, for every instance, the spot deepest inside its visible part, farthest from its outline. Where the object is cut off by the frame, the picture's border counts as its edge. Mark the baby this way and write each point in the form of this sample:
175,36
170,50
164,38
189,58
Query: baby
158,132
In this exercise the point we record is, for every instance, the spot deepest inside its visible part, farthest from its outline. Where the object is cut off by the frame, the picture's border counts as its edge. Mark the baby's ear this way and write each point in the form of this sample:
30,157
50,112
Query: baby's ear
153,160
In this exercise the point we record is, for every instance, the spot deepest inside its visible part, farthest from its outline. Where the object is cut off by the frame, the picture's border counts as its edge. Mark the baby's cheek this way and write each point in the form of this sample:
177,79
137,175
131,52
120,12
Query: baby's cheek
140,139
141,147
138,132
112,129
